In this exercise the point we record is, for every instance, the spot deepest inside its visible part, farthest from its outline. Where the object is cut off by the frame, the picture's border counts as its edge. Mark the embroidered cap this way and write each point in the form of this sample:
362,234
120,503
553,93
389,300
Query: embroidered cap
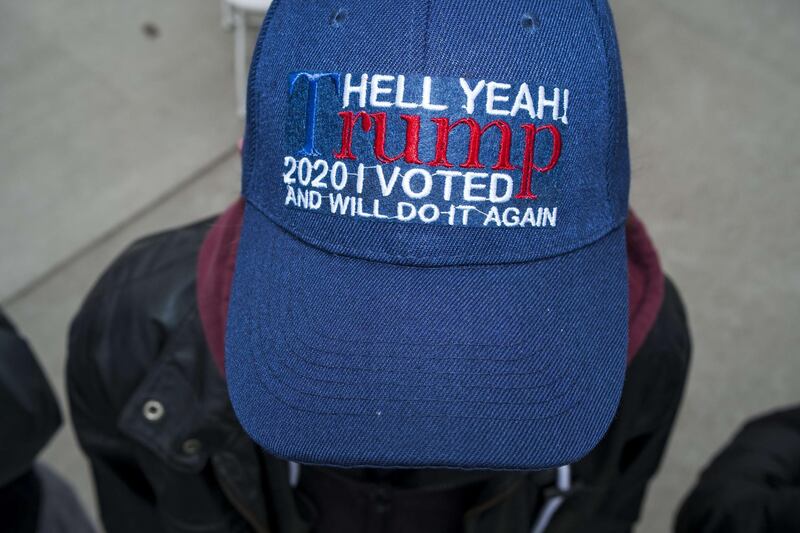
432,270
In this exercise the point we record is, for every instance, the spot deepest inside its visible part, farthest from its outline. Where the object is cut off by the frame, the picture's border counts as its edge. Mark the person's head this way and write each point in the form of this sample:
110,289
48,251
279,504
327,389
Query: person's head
431,270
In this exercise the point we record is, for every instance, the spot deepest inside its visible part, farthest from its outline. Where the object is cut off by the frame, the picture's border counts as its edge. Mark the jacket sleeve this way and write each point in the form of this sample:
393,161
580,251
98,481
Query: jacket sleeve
106,341
28,408
611,482
753,484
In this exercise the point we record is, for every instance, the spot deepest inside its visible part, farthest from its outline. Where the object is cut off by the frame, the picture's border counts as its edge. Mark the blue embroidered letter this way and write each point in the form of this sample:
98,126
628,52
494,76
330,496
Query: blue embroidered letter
311,104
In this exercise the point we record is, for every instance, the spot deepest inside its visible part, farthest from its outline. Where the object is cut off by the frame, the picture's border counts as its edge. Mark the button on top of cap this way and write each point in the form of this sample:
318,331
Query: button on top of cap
530,22
338,17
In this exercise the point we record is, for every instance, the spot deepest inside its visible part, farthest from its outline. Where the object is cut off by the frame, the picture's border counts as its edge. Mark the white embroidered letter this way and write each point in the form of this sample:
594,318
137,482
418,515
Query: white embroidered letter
376,90
448,182
471,94
491,97
427,183
401,90
543,102
471,187
360,89
494,196
566,106
523,101
426,96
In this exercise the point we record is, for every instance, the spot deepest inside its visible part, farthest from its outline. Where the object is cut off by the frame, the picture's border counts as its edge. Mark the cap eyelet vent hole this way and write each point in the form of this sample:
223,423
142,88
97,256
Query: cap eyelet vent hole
530,22
338,17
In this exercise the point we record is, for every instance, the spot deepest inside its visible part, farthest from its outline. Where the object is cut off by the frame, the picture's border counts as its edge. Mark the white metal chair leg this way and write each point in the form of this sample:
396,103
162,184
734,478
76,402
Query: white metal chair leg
240,58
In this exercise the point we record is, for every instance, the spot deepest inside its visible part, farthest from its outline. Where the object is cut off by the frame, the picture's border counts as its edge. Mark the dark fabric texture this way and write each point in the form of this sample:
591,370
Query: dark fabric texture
40,501
20,500
753,484
28,409
30,416
32,497
139,338
378,501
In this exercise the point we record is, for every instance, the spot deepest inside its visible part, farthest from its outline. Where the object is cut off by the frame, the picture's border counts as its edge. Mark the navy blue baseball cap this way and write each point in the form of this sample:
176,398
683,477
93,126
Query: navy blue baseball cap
432,269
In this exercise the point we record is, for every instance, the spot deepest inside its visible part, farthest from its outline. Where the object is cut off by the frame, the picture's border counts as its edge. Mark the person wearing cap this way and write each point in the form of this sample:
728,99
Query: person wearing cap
431,309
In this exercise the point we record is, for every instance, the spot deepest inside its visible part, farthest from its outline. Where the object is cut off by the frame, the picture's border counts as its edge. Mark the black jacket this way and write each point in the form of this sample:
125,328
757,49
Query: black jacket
32,497
753,485
28,409
152,414
29,417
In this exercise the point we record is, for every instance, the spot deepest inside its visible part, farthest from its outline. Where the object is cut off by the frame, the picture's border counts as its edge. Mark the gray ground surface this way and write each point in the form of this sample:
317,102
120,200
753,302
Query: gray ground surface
107,134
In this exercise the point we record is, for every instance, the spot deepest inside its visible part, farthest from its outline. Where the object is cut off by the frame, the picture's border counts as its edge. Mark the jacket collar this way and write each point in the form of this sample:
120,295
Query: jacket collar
196,424
194,417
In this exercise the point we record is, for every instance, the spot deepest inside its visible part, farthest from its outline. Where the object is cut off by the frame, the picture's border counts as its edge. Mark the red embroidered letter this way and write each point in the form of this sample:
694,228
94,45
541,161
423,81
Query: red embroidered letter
528,162
411,152
475,135
348,123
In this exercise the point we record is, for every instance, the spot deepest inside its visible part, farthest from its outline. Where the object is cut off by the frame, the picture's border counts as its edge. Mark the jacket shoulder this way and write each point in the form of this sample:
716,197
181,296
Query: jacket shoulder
123,323
154,255
28,407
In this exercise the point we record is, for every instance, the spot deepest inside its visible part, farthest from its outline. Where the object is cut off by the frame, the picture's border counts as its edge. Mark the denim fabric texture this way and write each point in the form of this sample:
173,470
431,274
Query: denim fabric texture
355,339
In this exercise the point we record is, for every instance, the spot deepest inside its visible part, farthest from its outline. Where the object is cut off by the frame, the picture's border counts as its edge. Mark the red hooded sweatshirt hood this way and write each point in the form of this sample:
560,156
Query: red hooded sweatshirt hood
217,259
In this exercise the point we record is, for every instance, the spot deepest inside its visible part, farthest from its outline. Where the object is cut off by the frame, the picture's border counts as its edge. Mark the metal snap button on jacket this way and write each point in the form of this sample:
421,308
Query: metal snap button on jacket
191,446
153,410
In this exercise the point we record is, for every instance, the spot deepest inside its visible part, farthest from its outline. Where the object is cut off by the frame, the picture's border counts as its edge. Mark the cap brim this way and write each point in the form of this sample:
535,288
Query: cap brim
348,362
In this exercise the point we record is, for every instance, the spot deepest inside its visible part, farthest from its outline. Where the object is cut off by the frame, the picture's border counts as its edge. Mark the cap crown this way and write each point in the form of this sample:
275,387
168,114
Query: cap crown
434,133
